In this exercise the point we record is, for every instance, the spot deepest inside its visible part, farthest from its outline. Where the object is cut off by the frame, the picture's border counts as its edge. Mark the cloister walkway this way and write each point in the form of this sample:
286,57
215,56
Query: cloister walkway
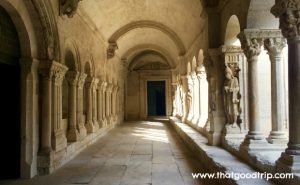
135,153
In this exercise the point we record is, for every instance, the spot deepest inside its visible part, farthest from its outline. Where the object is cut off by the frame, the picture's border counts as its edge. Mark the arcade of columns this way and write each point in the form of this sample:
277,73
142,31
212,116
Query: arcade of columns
231,114
102,101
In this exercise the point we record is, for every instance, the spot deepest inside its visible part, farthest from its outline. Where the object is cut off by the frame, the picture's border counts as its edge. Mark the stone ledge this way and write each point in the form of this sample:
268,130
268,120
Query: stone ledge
214,158
54,161
262,160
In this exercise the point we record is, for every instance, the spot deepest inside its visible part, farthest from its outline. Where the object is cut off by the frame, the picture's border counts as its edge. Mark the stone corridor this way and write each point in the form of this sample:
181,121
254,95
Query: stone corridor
135,153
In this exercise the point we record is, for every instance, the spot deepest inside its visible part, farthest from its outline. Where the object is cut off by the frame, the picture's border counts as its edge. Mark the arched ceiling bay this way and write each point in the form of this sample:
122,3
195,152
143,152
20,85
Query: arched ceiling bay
146,36
172,24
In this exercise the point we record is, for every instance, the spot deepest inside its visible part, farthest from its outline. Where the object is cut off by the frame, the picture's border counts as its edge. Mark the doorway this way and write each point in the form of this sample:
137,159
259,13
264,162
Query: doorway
10,97
156,98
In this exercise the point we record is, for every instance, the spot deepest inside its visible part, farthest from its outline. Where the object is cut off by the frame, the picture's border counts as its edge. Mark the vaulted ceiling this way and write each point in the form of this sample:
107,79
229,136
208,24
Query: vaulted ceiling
166,26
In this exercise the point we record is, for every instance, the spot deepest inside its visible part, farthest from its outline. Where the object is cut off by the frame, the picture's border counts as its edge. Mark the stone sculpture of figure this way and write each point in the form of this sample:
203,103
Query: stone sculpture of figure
232,96
69,7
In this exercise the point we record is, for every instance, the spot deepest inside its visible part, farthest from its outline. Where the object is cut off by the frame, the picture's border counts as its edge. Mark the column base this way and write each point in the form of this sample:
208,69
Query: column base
73,135
101,124
82,131
104,121
250,144
207,126
214,138
90,127
45,162
277,137
96,125
59,141
288,163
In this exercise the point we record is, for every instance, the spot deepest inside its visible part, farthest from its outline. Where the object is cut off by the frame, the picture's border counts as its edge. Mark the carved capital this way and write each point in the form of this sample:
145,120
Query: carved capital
72,77
112,47
59,72
68,7
251,44
109,87
288,12
52,70
91,82
115,89
274,46
81,80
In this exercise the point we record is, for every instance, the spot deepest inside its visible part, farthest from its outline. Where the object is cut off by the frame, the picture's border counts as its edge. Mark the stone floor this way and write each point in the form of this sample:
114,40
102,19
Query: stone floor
135,153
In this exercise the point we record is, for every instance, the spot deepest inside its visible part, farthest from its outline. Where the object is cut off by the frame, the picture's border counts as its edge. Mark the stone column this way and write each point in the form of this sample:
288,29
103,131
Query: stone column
114,102
190,97
99,104
94,103
174,98
59,140
46,79
196,99
80,120
89,105
251,41
215,76
274,46
185,110
72,134
288,13
104,117
108,102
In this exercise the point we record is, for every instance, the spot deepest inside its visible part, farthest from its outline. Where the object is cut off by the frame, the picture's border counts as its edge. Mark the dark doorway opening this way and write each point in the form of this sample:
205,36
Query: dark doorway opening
156,98
10,139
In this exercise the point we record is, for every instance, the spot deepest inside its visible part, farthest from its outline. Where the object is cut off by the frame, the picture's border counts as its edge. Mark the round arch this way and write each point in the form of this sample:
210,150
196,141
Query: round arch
133,52
71,55
149,24
233,28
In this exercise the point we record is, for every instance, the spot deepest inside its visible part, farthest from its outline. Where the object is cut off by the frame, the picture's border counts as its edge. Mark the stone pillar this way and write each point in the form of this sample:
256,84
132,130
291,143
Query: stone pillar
89,105
46,79
288,13
190,97
104,117
109,103
215,76
235,127
274,46
185,111
72,133
114,101
196,99
80,120
174,98
99,104
94,103
251,41
29,119
59,140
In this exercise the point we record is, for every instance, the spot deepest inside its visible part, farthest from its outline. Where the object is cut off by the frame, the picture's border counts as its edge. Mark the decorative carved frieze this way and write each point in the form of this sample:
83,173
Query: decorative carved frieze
68,7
